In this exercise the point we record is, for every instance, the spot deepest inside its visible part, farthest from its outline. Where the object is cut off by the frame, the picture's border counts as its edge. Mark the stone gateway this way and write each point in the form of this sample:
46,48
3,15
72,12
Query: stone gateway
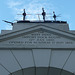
37,48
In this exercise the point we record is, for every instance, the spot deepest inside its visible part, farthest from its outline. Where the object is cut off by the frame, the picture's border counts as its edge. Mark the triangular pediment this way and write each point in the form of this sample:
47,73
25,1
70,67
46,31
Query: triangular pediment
38,35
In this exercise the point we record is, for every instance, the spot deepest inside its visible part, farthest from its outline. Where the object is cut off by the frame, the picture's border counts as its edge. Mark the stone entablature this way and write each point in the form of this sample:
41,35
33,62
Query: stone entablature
39,36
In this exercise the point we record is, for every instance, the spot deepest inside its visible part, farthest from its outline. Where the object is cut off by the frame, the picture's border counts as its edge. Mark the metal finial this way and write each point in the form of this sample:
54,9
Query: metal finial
54,16
43,14
24,15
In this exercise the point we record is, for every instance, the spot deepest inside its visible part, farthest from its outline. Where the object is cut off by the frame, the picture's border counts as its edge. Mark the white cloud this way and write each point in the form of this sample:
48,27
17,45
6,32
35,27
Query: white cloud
13,4
33,7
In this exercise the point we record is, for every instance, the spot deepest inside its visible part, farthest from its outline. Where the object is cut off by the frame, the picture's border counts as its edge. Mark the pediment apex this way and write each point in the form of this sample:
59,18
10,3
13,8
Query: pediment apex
40,27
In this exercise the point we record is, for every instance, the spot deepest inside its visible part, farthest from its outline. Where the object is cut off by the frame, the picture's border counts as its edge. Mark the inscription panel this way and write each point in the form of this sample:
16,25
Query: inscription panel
40,38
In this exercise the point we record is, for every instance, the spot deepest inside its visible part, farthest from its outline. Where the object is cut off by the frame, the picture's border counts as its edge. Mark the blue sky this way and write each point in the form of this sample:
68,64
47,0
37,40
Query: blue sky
10,8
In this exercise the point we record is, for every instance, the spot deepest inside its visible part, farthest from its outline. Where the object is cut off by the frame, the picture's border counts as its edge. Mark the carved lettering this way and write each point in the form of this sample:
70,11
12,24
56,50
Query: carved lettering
40,38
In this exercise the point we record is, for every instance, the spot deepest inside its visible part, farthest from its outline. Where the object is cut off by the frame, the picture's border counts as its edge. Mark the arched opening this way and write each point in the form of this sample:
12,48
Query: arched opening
41,71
